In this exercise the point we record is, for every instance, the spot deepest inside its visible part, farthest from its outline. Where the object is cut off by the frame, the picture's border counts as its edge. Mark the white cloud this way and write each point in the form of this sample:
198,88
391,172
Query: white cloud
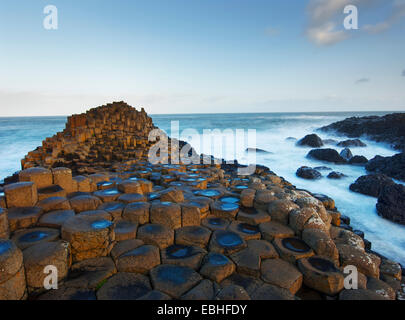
398,12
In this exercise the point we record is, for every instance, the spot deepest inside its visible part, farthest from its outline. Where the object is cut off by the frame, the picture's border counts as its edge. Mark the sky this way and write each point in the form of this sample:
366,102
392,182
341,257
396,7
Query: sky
201,56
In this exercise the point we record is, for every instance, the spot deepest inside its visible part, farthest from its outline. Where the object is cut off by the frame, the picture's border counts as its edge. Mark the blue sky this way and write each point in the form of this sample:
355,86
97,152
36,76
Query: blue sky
194,56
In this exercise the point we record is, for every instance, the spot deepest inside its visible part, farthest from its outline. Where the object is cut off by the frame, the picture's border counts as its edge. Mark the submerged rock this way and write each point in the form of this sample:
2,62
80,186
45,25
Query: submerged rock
371,185
308,173
336,175
393,167
346,153
391,203
358,160
311,140
329,155
351,143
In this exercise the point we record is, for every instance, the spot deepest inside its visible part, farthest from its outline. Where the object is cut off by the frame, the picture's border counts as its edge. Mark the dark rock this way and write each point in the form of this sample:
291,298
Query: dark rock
351,143
329,155
389,128
336,175
329,141
257,150
393,167
323,168
346,153
311,140
358,160
391,203
308,173
371,185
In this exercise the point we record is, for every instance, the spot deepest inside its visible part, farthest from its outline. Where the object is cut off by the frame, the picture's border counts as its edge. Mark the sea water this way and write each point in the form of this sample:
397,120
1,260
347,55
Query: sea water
21,135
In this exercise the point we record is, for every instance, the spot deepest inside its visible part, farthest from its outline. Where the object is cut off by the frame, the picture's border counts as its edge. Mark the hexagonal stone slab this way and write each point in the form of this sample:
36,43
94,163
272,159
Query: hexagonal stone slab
137,212
245,230
224,210
41,177
291,249
248,261
54,203
68,293
124,286
114,208
125,230
84,203
108,195
275,230
55,219
233,292
282,274
89,274
4,227
30,237
270,292
89,236
193,236
226,242
139,260
182,255
23,217
215,223
217,267
53,191
21,194
155,295
11,259
166,213
37,257
205,290
100,214
124,246
252,215
132,197
174,280
157,235
321,274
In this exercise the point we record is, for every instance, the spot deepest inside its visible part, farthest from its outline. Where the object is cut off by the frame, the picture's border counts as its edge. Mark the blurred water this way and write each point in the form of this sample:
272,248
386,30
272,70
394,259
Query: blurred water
21,135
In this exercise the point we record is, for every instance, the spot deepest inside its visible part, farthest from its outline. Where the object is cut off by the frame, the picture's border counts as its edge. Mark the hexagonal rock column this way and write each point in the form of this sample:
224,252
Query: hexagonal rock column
217,267
63,178
37,257
226,242
4,228
172,195
50,192
29,237
55,219
248,261
21,194
214,223
166,213
224,210
84,203
245,230
233,292
41,177
129,186
125,230
89,236
174,280
137,212
157,235
279,210
23,217
190,214
321,243
82,184
282,274
54,203
252,215
132,197
114,208
292,249
124,286
182,255
139,260
89,274
193,236
205,290
12,275
275,230
108,195
247,197
321,274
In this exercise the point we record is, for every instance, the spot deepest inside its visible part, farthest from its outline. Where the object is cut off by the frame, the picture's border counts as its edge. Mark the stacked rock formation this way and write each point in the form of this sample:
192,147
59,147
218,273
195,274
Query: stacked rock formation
139,231
95,139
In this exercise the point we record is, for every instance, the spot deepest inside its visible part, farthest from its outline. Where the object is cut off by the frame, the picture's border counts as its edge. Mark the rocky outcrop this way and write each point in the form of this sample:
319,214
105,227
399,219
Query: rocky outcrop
328,155
308,173
389,128
391,203
311,140
95,139
371,185
393,167
351,143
